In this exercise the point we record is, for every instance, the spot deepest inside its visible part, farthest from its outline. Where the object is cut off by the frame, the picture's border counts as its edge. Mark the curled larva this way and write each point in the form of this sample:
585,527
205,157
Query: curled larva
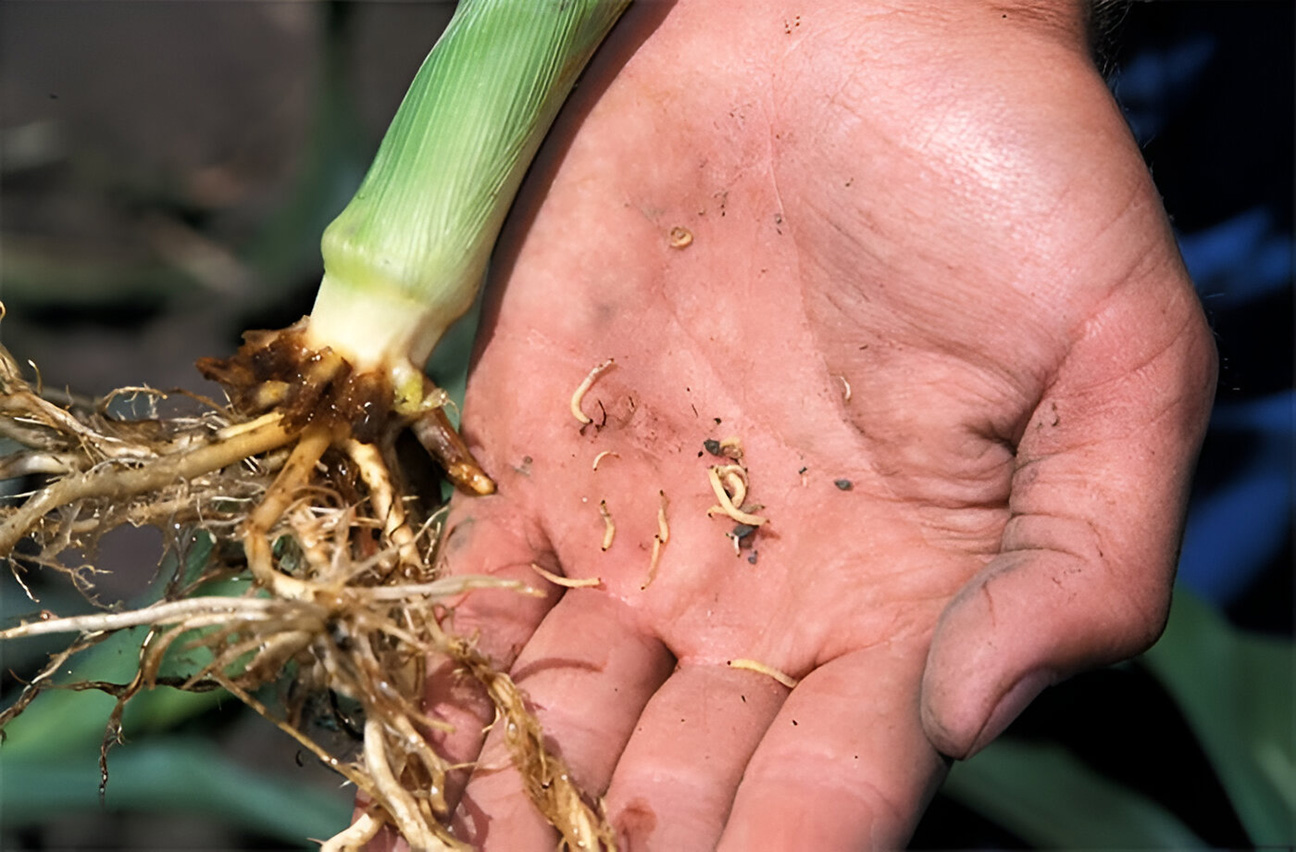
568,582
726,502
754,666
584,387
734,479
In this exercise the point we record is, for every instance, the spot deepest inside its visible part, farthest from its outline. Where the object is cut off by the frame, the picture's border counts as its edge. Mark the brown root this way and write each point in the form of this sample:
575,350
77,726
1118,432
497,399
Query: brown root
293,485
547,778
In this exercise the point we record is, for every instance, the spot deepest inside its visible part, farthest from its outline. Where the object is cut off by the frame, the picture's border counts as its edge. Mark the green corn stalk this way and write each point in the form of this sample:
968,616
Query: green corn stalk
409,253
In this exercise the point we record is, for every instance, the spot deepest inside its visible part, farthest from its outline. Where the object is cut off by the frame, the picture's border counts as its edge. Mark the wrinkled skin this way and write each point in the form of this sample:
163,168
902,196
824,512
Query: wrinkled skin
938,204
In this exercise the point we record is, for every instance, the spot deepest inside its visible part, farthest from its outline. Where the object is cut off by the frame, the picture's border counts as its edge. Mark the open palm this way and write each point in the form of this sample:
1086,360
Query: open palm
912,261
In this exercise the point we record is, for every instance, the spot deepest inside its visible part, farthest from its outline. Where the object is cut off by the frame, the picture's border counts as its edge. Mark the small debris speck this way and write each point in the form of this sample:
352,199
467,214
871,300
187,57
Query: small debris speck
752,558
843,484
712,446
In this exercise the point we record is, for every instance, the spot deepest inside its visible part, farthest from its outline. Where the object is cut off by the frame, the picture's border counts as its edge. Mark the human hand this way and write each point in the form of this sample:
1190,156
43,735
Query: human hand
926,260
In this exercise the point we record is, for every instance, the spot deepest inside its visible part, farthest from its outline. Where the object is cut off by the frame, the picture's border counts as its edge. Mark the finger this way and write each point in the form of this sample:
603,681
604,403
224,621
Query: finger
495,537
675,781
845,765
587,674
486,536
1098,495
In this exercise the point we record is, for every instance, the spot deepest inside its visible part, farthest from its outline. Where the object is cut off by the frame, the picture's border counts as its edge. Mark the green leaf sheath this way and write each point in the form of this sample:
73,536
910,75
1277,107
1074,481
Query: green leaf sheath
408,254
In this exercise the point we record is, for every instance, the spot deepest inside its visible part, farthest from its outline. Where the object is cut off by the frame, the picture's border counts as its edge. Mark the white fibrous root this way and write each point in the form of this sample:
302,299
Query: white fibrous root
583,388
387,508
305,507
760,668
354,837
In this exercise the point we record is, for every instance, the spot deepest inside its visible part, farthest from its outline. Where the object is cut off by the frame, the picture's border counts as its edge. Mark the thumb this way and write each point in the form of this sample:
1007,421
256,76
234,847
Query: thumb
1027,621
1086,561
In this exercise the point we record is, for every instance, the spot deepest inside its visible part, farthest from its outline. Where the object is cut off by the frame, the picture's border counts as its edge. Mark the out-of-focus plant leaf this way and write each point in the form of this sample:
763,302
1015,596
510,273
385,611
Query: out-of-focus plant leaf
170,775
1236,691
62,722
332,165
1045,795
39,275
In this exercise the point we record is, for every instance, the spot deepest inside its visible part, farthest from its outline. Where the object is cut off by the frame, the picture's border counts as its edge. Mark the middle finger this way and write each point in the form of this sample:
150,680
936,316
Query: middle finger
586,673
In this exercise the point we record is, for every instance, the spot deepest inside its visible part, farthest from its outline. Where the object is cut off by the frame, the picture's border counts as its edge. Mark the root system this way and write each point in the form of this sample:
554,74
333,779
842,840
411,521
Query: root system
294,487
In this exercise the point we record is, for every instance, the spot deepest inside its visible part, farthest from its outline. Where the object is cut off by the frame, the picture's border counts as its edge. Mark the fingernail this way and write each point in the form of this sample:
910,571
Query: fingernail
1010,706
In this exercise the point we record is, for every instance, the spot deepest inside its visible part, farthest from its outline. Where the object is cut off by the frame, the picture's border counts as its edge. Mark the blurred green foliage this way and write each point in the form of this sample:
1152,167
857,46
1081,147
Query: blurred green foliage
1236,691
